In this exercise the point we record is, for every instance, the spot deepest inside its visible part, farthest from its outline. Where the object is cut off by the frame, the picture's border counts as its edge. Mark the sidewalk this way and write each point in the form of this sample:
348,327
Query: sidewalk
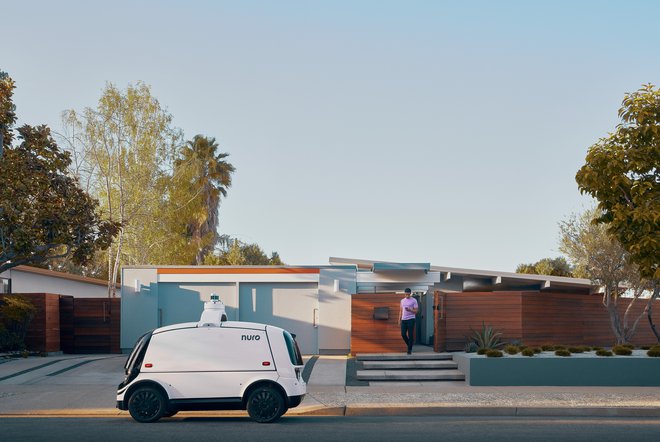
84,385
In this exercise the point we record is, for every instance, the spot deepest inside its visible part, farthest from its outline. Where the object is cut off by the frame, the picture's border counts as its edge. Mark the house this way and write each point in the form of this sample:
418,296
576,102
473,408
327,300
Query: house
351,305
73,313
26,279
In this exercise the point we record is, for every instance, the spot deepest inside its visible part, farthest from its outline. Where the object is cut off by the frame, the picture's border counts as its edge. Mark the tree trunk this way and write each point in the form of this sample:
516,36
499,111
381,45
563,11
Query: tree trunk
649,310
615,321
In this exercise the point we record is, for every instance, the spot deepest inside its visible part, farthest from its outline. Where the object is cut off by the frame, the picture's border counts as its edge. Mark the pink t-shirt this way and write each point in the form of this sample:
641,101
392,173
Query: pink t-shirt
411,303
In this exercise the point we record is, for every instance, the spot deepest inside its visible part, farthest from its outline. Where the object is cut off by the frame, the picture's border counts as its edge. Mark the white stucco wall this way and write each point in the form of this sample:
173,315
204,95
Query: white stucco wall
28,282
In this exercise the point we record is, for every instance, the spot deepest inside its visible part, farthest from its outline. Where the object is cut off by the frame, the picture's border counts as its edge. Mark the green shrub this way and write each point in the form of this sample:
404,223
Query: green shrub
621,350
482,351
585,348
511,349
528,352
576,349
603,352
596,348
562,352
645,347
16,312
494,353
470,347
654,352
630,346
487,337
560,347
548,347
537,350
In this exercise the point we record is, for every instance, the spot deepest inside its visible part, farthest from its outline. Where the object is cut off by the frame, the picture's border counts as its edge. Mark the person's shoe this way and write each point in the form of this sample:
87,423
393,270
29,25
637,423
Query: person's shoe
409,352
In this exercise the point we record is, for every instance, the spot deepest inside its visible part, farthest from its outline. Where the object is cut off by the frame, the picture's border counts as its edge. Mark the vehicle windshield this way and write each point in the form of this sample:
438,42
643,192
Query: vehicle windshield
292,347
137,353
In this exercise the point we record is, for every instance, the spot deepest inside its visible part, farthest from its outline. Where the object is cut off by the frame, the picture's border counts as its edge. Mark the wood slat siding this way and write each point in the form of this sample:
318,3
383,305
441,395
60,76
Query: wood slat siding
74,325
66,324
96,325
369,335
538,318
465,312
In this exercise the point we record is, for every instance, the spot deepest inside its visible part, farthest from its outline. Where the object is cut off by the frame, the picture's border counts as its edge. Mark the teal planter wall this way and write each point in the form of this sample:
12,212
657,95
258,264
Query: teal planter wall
624,371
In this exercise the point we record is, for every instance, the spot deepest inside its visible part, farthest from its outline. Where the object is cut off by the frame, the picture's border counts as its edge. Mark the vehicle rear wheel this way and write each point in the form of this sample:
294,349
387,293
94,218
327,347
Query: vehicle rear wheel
170,412
265,404
147,404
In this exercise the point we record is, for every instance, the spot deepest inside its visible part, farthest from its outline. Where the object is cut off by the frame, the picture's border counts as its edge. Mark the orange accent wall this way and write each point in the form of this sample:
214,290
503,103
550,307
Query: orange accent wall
238,271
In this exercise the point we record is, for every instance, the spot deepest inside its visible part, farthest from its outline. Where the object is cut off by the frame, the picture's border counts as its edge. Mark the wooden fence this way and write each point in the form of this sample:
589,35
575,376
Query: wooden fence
533,318
73,325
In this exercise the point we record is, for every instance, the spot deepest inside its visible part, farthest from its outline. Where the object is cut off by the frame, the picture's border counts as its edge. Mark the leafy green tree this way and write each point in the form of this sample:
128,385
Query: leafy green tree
125,148
7,111
599,256
202,176
547,266
622,172
44,213
239,253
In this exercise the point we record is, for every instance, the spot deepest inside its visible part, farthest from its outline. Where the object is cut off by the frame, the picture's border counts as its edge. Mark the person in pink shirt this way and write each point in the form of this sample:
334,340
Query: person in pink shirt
407,319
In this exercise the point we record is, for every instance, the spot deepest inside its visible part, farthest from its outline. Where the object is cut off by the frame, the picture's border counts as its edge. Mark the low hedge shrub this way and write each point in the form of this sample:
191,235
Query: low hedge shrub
621,350
494,353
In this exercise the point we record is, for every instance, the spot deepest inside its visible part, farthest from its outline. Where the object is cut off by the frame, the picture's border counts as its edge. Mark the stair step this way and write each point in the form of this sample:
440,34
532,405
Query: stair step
427,356
409,365
410,375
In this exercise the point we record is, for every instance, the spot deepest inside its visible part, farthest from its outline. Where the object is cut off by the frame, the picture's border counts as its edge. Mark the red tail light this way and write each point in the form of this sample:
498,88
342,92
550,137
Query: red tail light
265,363
148,365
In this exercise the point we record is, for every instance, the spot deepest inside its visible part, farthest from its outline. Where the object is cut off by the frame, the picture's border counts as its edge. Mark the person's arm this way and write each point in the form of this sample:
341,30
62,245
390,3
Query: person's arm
400,311
415,309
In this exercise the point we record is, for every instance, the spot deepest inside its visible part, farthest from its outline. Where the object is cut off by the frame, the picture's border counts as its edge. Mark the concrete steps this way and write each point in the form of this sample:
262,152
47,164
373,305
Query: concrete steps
410,375
422,356
409,365
420,366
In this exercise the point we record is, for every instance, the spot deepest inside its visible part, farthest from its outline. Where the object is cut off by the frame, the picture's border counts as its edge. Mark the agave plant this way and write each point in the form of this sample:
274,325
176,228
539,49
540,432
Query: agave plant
487,337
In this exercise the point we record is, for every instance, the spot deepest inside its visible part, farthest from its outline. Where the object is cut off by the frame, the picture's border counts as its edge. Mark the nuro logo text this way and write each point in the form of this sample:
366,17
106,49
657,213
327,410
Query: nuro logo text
250,337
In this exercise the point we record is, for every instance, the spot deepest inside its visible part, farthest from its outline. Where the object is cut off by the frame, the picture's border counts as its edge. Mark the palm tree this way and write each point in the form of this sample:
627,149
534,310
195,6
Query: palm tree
209,176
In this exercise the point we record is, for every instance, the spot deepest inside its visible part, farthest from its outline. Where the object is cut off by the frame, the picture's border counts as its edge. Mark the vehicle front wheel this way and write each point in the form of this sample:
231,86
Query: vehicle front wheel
265,404
147,404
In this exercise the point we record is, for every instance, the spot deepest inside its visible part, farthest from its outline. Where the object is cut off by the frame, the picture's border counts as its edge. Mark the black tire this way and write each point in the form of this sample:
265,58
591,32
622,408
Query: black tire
147,404
170,413
265,405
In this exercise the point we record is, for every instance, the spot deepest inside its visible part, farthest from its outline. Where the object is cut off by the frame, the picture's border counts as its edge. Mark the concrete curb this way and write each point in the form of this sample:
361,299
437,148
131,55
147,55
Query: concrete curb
369,410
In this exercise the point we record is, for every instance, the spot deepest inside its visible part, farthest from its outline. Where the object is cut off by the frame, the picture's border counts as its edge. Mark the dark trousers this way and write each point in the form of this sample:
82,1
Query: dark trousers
407,329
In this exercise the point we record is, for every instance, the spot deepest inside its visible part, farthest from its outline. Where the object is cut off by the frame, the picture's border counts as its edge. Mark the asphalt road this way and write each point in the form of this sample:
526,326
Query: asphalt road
344,429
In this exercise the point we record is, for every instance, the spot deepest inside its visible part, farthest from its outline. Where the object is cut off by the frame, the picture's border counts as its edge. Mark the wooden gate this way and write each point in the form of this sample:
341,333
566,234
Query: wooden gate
89,325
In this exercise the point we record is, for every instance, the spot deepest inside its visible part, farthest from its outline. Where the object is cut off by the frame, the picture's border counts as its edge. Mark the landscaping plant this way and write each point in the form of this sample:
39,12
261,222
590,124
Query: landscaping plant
494,353
16,312
603,352
621,350
528,352
487,337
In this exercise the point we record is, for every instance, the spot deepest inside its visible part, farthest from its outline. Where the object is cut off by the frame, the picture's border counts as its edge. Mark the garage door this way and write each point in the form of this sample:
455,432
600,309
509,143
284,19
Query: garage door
292,307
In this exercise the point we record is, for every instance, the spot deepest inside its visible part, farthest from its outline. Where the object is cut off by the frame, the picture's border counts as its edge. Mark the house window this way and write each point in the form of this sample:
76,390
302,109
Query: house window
5,285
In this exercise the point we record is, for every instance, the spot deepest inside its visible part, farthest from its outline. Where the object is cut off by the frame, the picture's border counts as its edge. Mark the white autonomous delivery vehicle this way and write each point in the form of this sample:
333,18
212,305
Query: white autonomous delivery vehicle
213,364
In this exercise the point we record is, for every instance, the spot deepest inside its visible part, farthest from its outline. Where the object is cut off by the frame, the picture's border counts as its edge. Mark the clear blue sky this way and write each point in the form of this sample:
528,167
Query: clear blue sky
439,131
